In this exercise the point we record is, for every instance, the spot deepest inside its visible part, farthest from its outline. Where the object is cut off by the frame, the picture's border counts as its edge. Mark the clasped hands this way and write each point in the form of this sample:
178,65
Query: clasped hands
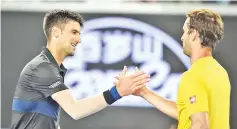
135,83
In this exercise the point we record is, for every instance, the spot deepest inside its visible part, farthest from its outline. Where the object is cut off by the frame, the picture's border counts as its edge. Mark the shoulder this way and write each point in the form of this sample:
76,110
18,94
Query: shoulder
38,60
191,79
46,69
32,65
190,76
41,67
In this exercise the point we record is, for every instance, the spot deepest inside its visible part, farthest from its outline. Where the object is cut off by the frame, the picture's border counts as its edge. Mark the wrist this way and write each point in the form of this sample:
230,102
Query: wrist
111,95
144,92
114,92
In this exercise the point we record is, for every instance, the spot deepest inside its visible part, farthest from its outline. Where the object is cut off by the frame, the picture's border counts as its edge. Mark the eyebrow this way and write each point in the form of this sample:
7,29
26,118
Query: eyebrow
76,31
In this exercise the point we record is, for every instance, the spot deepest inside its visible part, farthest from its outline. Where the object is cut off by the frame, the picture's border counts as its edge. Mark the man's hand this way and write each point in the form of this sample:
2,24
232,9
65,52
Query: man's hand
140,92
127,85
166,106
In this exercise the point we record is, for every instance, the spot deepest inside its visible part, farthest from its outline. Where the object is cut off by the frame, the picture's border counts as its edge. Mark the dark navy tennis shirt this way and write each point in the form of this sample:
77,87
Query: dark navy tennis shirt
33,107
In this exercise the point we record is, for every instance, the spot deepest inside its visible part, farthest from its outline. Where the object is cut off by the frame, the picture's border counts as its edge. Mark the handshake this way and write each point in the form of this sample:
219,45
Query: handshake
134,83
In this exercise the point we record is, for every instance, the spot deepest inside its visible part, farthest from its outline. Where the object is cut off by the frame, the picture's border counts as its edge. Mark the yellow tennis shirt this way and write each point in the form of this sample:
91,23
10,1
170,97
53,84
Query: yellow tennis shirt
205,87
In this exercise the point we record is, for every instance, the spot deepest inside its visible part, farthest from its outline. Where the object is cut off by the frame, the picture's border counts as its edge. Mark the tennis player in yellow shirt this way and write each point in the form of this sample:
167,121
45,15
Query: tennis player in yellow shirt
204,91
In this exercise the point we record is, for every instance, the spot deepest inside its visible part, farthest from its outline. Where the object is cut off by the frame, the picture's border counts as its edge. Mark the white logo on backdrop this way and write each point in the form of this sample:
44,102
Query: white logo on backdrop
110,43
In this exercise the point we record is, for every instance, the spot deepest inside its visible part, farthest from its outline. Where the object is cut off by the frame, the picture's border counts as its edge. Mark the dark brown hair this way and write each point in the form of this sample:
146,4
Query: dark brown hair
59,18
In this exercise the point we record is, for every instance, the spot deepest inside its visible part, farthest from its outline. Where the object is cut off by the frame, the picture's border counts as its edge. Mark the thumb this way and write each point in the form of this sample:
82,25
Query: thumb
124,71
116,83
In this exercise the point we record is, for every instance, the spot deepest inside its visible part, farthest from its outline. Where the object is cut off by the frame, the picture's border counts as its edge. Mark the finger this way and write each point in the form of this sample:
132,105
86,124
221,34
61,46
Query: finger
117,77
124,71
139,78
142,82
136,74
115,83
138,87
119,74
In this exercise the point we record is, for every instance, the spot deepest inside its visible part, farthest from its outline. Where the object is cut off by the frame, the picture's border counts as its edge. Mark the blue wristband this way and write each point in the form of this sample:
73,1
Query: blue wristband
114,93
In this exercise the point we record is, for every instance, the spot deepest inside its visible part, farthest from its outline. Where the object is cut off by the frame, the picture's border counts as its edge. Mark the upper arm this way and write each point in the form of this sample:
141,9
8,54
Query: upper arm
196,97
200,120
48,80
65,99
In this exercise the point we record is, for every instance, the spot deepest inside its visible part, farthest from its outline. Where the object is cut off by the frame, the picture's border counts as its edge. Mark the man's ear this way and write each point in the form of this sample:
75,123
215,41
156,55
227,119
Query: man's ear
195,34
55,32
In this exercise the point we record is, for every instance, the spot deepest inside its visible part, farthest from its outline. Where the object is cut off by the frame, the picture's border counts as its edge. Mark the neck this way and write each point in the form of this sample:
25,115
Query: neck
200,53
58,56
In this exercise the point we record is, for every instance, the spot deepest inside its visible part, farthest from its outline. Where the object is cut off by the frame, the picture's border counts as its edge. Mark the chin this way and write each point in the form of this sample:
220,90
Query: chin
70,54
186,53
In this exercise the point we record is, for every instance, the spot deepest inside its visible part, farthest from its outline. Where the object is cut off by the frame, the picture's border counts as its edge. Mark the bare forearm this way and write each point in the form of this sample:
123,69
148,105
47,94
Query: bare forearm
81,108
165,106
78,109
85,107
88,106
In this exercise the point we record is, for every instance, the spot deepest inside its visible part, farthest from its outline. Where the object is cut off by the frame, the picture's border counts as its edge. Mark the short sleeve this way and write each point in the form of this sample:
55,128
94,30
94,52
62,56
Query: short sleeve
48,80
195,98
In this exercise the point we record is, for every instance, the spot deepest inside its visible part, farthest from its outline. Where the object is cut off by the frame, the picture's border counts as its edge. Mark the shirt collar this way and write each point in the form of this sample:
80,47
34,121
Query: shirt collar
48,54
201,61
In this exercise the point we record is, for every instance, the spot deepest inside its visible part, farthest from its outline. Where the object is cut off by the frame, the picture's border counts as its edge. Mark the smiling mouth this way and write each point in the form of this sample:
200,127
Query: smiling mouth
74,45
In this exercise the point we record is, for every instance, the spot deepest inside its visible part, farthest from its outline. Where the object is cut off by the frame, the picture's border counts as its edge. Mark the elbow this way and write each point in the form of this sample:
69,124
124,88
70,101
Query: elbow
72,114
175,117
174,114
74,117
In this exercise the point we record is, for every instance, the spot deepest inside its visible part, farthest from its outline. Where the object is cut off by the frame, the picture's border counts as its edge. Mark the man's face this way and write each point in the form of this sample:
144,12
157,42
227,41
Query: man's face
186,39
70,37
